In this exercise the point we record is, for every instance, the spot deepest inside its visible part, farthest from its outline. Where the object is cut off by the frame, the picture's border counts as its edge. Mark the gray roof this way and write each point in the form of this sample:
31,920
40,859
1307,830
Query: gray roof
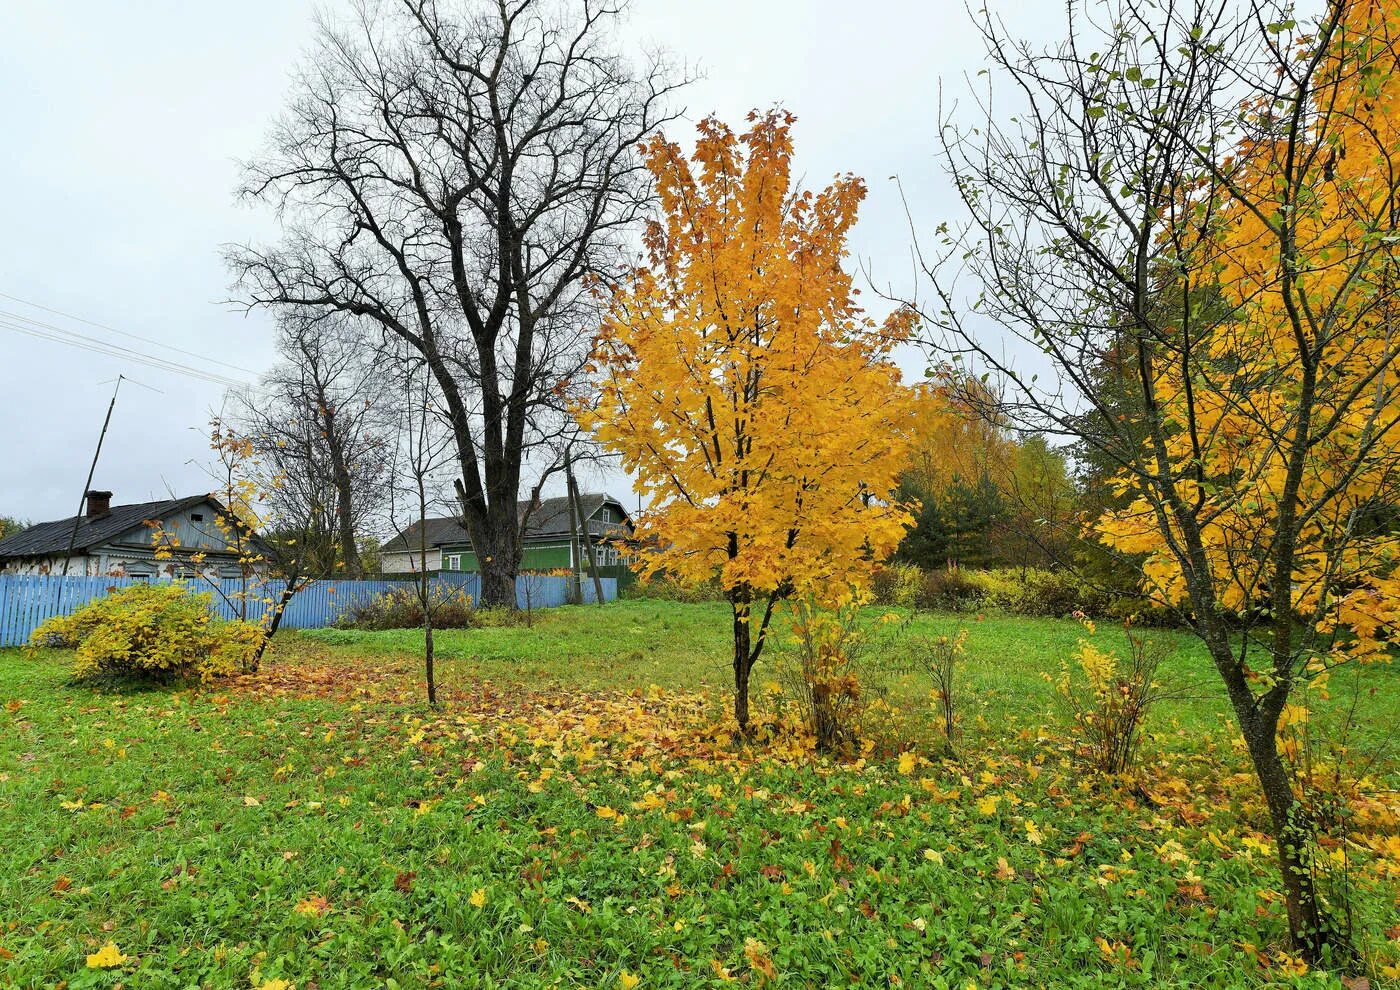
549,518
49,538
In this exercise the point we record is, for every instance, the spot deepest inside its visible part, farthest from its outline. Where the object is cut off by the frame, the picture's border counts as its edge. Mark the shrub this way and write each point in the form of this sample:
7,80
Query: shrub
152,631
951,590
823,677
834,669
897,584
661,588
1109,700
941,658
402,608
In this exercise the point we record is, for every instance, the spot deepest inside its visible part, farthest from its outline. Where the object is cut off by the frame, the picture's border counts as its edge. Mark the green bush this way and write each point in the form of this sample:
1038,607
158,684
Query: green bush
951,590
1030,591
152,631
670,590
402,608
1037,592
897,584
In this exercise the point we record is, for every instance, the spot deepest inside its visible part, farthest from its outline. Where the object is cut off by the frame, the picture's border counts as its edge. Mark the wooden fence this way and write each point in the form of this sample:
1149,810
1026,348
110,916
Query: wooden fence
27,600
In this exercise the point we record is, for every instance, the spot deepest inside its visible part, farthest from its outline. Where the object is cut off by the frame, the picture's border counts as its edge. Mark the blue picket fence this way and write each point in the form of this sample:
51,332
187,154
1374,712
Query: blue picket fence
27,600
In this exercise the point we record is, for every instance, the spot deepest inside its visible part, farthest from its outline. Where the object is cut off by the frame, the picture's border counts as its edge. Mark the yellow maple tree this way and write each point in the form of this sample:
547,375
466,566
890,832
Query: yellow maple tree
1265,497
957,435
744,386
1284,431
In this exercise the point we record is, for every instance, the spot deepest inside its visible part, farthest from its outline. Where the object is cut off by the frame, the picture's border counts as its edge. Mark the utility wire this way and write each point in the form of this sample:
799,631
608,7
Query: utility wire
123,333
29,321
72,338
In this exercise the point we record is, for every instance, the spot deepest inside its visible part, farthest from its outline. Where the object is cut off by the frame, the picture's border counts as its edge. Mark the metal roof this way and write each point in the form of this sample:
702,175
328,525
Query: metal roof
550,517
49,538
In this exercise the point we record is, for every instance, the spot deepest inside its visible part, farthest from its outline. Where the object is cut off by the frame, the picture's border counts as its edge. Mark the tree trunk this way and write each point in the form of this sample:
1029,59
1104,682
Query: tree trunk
1308,927
428,656
344,494
1313,936
497,582
349,549
585,543
743,664
288,590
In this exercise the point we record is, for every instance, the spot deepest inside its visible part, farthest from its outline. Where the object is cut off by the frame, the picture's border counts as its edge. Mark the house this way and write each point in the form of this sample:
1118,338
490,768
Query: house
120,541
549,539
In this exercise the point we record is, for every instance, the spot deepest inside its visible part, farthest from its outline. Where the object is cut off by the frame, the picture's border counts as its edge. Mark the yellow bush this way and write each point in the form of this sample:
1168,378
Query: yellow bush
1110,700
156,631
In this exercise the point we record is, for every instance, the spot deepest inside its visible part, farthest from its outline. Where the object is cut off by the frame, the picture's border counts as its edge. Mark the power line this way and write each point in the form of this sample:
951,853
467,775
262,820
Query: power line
126,354
82,342
30,322
123,333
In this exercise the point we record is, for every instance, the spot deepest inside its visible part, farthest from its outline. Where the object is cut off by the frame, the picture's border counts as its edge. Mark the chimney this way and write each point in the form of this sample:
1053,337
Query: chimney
98,503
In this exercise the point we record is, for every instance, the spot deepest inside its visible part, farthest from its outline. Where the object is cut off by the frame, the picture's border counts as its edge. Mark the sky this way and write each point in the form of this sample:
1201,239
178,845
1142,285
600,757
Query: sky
126,124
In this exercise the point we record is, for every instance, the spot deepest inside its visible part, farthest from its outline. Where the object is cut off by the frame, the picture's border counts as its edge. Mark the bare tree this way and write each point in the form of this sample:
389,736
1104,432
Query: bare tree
1099,193
456,178
318,421
422,450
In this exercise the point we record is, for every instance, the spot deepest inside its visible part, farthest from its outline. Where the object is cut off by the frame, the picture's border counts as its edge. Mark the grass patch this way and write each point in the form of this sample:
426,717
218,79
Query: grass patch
572,817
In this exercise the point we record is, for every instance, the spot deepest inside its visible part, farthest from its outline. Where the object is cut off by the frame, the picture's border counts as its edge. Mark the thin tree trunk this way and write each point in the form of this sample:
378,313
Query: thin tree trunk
743,665
288,590
428,656
575,565
584,541
425,593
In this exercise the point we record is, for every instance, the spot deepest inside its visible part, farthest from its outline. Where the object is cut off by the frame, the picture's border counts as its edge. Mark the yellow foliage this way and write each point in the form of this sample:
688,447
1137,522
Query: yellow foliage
107,957
743,385
153,630
1306,347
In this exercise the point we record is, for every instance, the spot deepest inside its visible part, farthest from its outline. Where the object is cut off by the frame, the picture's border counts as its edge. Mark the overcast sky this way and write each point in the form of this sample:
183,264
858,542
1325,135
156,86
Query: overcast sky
124,125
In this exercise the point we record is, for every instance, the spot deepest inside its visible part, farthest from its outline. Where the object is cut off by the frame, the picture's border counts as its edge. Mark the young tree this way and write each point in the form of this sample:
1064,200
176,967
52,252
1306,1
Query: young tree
744,386
1210,191
423,450
318,421
244,486
453,176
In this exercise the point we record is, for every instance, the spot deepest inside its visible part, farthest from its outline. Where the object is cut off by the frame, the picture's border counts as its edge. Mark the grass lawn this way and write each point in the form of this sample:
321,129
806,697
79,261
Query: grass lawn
574,816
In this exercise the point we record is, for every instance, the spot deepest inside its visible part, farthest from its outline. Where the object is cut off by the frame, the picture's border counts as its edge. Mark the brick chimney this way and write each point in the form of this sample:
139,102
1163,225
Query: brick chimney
98,503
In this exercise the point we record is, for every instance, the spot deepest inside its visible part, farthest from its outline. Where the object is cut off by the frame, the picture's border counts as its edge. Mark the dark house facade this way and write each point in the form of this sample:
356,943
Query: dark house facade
120,541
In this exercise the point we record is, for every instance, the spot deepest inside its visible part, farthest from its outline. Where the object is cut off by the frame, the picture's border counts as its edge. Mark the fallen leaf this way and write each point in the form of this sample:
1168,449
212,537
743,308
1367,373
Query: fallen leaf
106,957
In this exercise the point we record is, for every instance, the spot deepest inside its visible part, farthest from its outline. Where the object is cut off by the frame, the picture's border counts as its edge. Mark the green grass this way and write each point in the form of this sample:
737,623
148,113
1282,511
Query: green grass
186,826
680,646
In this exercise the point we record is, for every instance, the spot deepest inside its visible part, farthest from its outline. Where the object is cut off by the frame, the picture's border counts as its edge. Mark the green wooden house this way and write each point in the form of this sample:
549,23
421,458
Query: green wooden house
550,539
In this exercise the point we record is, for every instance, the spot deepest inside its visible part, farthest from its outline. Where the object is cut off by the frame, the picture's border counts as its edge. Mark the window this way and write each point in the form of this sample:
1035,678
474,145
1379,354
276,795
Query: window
453,562
196,517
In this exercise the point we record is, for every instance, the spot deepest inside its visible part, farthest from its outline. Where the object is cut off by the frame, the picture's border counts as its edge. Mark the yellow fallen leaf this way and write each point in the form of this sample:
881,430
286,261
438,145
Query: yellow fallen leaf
627,981
316,904
478,897
106,957
933,856
907,762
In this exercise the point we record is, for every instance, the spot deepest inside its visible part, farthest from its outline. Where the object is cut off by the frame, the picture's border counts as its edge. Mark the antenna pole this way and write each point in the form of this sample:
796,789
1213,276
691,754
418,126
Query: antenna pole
92,469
